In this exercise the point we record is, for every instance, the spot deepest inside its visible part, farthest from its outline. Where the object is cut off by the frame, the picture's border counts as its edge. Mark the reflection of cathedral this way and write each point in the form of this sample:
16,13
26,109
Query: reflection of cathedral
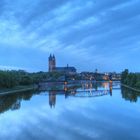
53,94
52,98
87,89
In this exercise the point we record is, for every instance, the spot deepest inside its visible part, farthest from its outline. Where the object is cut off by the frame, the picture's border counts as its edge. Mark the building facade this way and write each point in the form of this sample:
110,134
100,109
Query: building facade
53,68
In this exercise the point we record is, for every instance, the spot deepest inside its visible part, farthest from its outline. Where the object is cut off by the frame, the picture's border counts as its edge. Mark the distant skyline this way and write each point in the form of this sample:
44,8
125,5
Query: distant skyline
86,34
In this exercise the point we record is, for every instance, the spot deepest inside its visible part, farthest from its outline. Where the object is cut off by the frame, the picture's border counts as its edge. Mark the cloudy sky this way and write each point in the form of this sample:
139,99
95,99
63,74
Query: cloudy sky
87,34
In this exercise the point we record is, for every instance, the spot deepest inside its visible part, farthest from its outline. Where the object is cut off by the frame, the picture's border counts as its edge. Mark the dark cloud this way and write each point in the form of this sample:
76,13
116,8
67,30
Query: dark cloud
43,9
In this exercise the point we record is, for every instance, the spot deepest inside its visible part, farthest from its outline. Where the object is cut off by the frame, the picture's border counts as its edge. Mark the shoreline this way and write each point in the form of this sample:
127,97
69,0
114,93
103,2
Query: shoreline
134,89
12,91
29,88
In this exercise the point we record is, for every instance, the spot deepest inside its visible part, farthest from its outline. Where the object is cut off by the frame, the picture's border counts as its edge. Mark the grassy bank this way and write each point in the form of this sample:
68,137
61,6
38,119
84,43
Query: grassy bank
17,89
134,89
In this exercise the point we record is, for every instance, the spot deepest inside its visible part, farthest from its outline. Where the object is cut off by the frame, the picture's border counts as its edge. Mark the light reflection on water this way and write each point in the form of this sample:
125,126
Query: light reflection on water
64,115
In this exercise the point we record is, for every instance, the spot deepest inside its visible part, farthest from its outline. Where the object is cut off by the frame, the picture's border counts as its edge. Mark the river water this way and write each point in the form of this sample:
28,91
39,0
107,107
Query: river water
93,111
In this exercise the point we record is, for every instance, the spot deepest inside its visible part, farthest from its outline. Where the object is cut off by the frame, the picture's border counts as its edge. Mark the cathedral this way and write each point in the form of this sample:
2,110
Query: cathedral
53,68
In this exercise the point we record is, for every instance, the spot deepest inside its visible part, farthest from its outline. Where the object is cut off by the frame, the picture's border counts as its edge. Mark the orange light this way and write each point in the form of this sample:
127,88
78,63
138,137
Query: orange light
65,83
65,89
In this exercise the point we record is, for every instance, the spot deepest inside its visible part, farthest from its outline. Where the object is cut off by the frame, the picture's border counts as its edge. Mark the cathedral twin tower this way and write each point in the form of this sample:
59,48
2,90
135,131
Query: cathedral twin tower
53,68
52,63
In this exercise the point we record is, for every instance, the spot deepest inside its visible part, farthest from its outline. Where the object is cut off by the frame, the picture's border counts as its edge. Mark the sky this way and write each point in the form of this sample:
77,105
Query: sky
87,34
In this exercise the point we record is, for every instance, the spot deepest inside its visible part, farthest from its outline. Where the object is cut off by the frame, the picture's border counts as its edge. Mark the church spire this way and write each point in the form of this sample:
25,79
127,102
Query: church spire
52,63
53,56
50,57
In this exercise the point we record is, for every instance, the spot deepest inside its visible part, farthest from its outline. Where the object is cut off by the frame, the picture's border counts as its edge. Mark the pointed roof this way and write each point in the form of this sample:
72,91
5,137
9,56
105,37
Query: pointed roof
53,56
50,57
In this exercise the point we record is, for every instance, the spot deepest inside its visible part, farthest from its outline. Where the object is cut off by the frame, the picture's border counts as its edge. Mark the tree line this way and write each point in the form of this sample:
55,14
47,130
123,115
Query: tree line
13,78
130,79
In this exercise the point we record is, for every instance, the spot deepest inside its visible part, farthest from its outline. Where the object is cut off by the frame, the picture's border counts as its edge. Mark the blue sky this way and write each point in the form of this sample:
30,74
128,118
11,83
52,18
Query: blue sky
87,34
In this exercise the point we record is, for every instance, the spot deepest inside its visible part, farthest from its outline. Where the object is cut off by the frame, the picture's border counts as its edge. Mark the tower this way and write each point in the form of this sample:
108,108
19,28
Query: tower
52,98
52,63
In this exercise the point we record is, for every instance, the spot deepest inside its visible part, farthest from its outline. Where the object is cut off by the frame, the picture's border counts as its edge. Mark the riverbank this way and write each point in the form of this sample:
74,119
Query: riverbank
17,89
134,89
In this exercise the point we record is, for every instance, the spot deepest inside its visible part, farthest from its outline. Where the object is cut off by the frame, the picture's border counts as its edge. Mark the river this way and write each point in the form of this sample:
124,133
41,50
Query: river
93,111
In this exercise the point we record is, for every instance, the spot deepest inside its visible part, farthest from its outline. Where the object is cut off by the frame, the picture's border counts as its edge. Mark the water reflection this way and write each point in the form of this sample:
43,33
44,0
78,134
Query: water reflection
110,88
86,89
52,98
129,95
63,112
13,101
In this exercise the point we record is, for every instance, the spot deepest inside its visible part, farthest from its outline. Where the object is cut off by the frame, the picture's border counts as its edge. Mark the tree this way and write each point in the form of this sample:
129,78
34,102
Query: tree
124,75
